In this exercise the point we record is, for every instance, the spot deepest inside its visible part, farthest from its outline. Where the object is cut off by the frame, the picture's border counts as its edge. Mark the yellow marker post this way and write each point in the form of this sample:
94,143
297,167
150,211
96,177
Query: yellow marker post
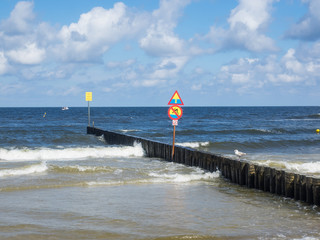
88,99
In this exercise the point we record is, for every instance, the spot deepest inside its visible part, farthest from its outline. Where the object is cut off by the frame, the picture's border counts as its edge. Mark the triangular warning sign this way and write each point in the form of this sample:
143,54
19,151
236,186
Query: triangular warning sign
175,99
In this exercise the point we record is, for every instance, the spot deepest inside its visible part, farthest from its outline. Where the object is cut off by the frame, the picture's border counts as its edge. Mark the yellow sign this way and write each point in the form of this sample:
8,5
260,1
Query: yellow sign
176,99
89,96
175,112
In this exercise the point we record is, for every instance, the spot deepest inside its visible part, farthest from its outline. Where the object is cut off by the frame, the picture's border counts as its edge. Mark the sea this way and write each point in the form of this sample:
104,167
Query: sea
57,182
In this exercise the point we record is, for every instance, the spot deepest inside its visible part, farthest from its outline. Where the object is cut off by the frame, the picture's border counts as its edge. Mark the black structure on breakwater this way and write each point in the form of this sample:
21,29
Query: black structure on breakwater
280,182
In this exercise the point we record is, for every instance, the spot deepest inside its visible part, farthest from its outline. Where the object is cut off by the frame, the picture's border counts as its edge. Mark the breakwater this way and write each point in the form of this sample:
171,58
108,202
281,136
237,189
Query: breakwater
276,181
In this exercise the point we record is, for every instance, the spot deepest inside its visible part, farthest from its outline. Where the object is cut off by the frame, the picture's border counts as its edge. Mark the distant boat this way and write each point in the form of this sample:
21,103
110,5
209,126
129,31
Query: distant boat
65,108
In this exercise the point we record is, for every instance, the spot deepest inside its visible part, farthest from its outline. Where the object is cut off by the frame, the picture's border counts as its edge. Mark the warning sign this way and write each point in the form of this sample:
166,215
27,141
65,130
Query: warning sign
175,112
175,99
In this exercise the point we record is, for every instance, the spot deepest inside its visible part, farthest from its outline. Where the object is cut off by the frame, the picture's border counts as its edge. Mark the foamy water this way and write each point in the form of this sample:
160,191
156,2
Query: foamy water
43,153
26,170
193,144
304,164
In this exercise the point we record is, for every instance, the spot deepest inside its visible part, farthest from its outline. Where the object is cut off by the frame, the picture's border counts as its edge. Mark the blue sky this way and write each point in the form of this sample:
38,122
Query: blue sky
138,52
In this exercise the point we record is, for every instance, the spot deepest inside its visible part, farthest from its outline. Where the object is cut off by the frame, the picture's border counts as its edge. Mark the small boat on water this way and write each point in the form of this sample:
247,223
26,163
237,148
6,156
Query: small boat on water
64,108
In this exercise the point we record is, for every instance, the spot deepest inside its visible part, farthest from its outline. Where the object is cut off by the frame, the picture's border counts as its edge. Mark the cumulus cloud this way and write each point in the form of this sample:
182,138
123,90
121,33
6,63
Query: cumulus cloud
293,68
96,30
162,72
160,39
21,38
20,20
308,28
247,23
28,54
168,67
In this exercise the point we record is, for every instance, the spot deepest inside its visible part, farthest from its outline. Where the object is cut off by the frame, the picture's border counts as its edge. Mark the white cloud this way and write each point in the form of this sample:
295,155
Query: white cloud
308,28
123,64
29,54
23,40
293,67
4,66
243,72
96,30
20,20
165,70
168,67
287,78
292,64
37,43
252,14
161,42
160,39
247,23
150,82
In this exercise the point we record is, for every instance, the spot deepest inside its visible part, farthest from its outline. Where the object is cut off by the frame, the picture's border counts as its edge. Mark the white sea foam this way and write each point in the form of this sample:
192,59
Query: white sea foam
27,170
182,178
303,167
101,138
268,131
118,171
129,130
155,177
27,154
306,164
193,144
306,238
87,168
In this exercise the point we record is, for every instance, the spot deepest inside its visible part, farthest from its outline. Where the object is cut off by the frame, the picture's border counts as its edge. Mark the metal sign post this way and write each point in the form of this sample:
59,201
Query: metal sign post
88,99
88,113
174,136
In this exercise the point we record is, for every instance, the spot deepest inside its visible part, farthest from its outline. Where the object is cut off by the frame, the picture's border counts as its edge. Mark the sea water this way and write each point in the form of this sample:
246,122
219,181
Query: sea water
57,182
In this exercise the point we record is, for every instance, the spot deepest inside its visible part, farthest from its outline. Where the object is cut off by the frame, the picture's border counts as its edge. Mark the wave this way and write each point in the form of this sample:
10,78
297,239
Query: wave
314,115
263,144
306,168
194,144
84,169
198,175
183,178
305,164
42,153
246,131
27,170
253,131
129,130
306,117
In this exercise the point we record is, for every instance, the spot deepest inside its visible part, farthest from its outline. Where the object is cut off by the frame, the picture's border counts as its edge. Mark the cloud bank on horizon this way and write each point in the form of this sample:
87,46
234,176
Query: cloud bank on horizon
137,53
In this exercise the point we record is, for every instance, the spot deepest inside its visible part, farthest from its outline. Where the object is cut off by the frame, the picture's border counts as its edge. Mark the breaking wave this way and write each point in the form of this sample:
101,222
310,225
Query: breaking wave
26,170
42,153
193,144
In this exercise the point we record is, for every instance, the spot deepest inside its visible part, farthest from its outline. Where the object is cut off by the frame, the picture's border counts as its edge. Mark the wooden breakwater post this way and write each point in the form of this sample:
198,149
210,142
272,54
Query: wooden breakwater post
292,185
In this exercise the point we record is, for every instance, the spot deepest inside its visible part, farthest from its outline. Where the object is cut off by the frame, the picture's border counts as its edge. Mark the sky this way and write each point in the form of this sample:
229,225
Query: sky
139,52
